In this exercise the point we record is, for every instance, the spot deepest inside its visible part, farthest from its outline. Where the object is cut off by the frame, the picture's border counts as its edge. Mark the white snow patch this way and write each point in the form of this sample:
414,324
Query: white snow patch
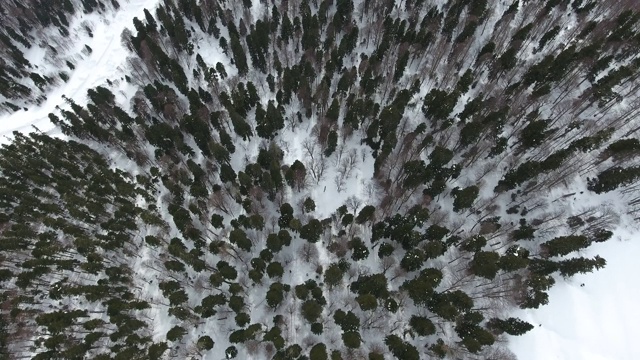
597,321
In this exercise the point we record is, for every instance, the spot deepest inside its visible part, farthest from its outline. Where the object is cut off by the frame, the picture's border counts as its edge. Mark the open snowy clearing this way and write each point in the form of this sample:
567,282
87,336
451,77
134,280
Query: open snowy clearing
106,62
597,321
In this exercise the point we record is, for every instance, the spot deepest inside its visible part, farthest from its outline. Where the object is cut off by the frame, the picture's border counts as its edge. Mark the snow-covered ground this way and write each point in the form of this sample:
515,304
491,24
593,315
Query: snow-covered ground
106,62
597,321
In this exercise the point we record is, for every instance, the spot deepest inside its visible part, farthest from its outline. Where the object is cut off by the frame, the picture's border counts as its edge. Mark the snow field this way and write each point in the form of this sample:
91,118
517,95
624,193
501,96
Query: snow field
597,321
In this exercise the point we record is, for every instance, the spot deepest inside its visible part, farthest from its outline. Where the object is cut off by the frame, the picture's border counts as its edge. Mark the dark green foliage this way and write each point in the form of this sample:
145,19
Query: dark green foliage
401,64
231,352
156,350
535,293
347,220
601,235
473,336
485,264
489,48
422,326
334,111
236,303
351,339
436,232
348,322
385,250
613,178
581,265
514,259
375,284
367,213
286,215
317,328
413,260
564,245
421,288
367,302
464,198
440,156
434,249
275,295
512,326
526,171
311,310
401,350
438,104
525,232
274,243
622,147
522,33
311,231
439,349
240,239
332,143
534,133
344,9
360,251
205,343
243,335
548,36
302,291
318,352
238,52
449,305
275,336
309,205
176,333
269,122
275,270
508,59
474,244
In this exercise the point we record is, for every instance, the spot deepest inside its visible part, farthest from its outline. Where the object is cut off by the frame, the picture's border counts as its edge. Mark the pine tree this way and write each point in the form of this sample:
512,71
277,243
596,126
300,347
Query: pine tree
613,178
422,325
275,295
581,265
318,352
564,245
413,260
176,333
401,350
237,50
485,264
464,198
311,231
512,326
333,275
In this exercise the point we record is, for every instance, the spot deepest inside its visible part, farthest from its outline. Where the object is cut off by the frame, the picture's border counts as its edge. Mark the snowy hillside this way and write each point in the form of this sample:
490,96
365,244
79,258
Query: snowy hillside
106,62
368,179
596,321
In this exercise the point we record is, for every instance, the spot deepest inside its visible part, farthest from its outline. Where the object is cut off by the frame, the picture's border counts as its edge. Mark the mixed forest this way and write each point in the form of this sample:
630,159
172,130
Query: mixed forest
313,179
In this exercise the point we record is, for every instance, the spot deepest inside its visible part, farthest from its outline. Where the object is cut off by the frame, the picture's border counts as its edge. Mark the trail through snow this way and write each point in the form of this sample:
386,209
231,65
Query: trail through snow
106,62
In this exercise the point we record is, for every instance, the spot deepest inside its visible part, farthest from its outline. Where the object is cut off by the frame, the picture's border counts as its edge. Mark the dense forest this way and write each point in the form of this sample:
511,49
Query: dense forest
313,179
